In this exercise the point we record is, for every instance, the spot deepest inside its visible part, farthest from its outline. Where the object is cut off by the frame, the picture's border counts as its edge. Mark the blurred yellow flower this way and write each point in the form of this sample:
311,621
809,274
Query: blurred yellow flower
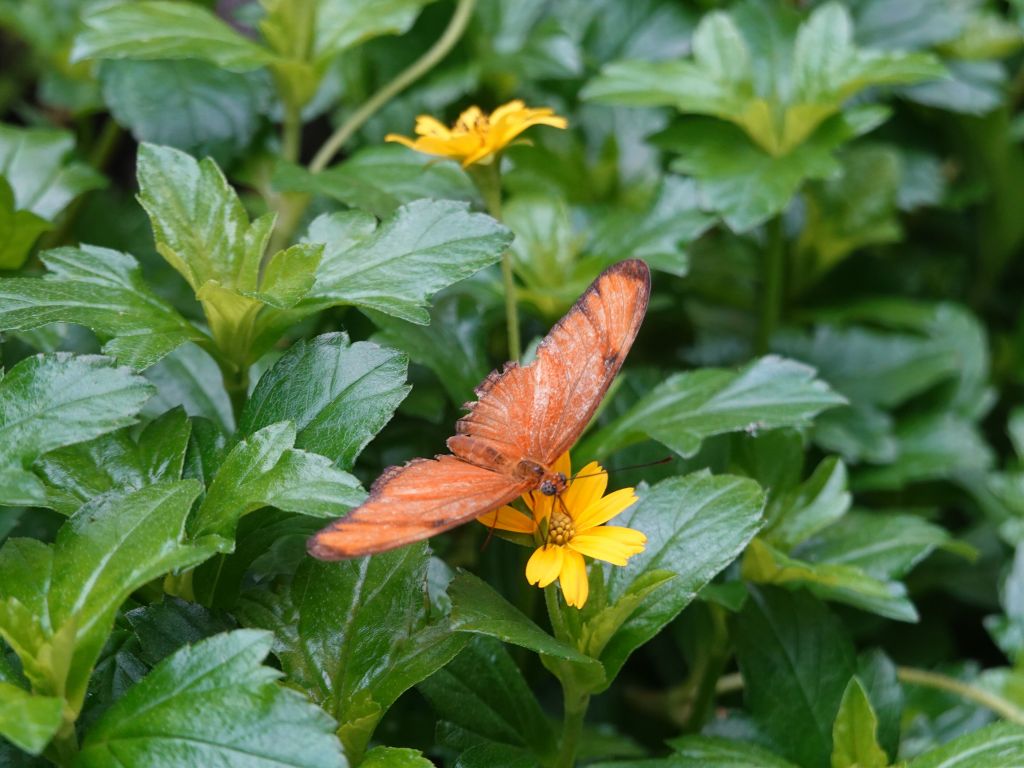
476,136
571,525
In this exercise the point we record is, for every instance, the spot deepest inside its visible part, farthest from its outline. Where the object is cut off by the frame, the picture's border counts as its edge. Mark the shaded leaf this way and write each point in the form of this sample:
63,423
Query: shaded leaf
997,746
189,377
700,751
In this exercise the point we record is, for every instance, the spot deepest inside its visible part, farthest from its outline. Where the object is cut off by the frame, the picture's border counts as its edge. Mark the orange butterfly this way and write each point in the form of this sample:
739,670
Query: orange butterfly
525,418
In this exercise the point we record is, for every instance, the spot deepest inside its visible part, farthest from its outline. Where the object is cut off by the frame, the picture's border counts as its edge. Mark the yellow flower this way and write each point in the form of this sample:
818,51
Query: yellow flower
476,136
570,526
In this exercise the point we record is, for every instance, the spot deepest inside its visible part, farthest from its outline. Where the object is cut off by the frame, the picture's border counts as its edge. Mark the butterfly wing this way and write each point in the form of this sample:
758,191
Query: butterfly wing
409,503
539,410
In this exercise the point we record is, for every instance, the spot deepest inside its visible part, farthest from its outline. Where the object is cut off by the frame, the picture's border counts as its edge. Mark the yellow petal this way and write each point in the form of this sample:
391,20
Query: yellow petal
563,464
428,126
401,140
610,543
539,504
508,519
544,565
478,155
605,509
467,120
586,489
573,579
505,110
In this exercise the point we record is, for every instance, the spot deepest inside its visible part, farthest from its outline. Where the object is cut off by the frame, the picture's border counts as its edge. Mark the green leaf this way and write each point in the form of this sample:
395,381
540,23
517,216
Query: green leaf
688,407
341,24
338,395
116,462
695,526
265,470
425,246
394,757
885,693
49,401
109,548
997,746
853,734
156,722
477,608
483,693
154,29
189,377
27,720
356,661
796,660
192,105
162,628
701,751
104,291
817,503
380,179
18,230
845,583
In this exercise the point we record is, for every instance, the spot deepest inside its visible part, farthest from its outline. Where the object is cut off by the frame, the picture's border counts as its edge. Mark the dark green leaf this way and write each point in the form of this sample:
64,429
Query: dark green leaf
49,401
190,378
885,692
27,720
103,290
796,661
355,635
338,395
162,628
213,704
820,501
997,746
854,744
265,470
155,29
394,268
686,408
340,24
701,751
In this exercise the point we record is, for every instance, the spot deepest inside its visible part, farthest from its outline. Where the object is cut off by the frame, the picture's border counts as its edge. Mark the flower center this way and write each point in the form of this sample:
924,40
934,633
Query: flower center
560,528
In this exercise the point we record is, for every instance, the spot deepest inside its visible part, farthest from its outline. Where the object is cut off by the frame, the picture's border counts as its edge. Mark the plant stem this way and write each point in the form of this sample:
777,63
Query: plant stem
555,613
405,78
572,725
291,134
488,180
997,704
236,382
772,277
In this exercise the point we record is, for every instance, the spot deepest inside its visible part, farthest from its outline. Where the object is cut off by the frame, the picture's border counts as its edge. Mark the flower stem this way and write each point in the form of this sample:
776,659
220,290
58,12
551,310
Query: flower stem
291,133
928,679
412,73
772,277
572,725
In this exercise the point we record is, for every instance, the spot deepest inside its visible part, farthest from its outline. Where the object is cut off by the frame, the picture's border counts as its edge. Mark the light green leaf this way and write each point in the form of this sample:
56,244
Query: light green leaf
356,661
394,268
695,526
711,752
380,179
27,720
764,564
156,29
686,408
288,275
338,395
476,607
340,24
49,401
854,744
395,757
192,105
265,470
792,650
155,725
997,746
799,513
104,291
18,229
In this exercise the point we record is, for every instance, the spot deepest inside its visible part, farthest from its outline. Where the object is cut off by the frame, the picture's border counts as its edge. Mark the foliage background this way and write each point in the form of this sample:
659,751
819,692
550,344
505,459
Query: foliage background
204,358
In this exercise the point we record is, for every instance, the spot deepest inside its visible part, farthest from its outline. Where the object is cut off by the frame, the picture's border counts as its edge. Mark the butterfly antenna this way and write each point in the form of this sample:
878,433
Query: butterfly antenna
665,460
490,533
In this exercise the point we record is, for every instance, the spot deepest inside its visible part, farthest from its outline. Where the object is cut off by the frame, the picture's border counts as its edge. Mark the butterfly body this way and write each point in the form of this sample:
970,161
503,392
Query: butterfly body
525,417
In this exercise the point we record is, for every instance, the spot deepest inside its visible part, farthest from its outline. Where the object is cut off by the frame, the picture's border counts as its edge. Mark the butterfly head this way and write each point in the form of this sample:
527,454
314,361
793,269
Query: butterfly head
553,483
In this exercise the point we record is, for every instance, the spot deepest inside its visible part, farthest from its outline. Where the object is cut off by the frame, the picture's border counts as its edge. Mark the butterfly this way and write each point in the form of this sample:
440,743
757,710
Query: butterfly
526,416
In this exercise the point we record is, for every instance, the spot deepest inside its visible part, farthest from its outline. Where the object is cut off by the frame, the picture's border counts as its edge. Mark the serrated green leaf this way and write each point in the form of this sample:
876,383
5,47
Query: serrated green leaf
701,751
192,105
155,29
289,275
477,608
483,692
854,744
156,723
997,746
764,564
104,291
355,635
380,179
695,526
792,650
799,513
265,470
27,720
116,462
338,395
425,246
688,407
49,401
